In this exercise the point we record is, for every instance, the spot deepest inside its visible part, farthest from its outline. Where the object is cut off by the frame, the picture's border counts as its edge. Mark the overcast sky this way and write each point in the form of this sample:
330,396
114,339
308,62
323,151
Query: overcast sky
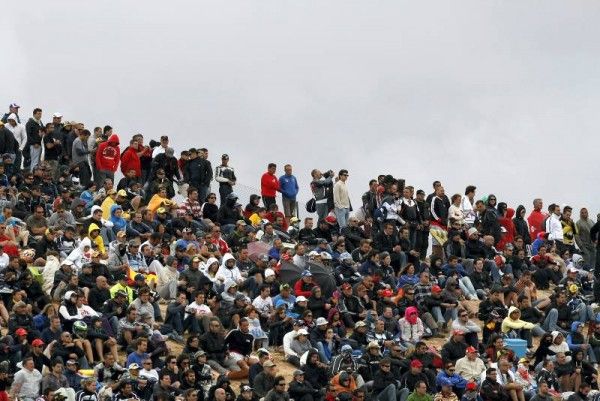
502,95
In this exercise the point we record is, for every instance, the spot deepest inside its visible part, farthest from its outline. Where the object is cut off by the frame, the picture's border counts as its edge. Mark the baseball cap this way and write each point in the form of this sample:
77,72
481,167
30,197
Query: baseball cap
122,192
21,332
298,372
471,386
470,350
415,363
269,364
458,333
346,348
436,289
301,298
57,115
37,343
306,273
269,272
14,105
161,210
302,332
245,388
134,366
321,321
360,324
224,156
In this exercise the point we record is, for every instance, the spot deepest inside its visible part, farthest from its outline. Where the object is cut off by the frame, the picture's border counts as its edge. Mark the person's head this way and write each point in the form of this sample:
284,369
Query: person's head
504,365
491,374
57,366
280,384
343,175
584,389
272,168
142,345
543,388
220,394
215,325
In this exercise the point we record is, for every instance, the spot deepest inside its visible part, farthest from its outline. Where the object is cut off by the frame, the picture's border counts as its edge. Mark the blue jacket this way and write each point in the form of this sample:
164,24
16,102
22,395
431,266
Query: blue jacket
449,270
288,185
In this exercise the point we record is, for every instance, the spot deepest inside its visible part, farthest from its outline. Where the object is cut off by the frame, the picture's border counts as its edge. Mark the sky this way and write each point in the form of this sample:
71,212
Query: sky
501,95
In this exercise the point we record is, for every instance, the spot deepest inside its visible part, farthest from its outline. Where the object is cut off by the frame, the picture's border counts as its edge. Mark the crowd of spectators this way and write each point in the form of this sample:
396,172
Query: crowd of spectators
113,255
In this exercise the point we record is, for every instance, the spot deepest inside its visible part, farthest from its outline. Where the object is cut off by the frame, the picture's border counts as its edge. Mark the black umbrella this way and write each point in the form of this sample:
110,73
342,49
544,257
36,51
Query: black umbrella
290,273
323,276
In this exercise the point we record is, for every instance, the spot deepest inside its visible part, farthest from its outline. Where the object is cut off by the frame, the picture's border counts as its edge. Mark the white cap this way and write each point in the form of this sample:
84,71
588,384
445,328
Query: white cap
301,331
269,272
57,115
301,298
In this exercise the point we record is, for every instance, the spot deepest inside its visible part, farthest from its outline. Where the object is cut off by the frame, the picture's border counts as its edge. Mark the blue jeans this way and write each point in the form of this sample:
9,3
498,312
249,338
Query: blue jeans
449,314
342,215
551,322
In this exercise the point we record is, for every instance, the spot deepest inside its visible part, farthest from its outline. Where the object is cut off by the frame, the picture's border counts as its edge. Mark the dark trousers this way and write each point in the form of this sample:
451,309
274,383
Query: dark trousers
224,190
268,201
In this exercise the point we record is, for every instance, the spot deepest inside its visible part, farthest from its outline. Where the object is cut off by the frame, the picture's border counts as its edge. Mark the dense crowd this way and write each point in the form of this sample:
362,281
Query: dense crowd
100,278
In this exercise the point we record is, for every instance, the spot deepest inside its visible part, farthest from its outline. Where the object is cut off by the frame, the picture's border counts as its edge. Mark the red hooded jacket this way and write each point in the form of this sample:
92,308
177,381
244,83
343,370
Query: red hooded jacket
508,224
131,161
108,154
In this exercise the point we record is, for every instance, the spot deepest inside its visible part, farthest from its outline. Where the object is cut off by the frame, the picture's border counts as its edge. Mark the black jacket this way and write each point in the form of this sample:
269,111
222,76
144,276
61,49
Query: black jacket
198,172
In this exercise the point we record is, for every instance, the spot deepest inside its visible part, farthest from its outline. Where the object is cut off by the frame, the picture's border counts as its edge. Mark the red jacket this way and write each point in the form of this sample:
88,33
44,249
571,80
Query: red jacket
269,185
535,220
108,154
508,224
299,291
131,161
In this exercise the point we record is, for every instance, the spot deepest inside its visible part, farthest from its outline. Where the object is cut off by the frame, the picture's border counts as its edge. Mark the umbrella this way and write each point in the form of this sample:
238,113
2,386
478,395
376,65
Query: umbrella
323,276
257,248
290,273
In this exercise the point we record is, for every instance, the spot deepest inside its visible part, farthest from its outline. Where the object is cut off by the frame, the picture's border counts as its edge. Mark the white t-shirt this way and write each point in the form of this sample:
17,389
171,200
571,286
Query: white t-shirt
198,309
262,305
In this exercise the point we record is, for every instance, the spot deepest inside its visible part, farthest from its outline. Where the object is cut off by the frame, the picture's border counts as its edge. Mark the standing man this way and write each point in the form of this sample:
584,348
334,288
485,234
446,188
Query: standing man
199,174
108,157
536,218
164,144
554,226
26,383
225,176
18,131
34,139
583,238
81,153
269,186
467,205
289,190
341,199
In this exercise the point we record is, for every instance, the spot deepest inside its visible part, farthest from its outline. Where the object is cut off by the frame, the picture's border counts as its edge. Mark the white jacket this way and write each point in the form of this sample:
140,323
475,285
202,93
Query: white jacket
467,209
19,133
411,333
554,228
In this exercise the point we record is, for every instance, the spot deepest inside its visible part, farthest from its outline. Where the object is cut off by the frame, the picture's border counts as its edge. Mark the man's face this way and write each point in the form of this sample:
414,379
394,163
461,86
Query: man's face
37,115
388,229
272,170
492,376
421,388
288,170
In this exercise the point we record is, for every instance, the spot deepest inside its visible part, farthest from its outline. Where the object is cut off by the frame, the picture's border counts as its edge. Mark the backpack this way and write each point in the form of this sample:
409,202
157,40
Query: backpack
311,205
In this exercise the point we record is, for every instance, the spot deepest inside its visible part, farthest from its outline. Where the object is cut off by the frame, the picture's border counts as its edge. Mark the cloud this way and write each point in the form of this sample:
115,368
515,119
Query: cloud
503,96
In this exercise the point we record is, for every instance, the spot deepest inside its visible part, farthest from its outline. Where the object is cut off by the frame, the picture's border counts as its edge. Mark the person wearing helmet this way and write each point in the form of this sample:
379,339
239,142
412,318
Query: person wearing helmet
229,213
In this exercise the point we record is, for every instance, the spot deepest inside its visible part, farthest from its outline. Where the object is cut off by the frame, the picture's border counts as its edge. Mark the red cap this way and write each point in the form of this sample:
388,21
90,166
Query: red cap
458,333
387,293
436,289
21,332
471,386
37,343
345,286
415,363
471,350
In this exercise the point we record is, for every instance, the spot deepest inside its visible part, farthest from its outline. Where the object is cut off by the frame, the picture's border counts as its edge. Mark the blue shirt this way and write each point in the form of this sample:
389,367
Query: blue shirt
288,185
134,357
